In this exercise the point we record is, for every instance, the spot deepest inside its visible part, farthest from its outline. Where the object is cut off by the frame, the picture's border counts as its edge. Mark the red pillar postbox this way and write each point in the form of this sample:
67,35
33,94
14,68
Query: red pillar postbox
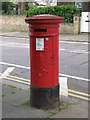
44,47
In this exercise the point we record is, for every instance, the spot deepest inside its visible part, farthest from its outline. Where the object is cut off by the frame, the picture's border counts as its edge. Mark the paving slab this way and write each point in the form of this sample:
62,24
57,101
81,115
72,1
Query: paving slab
9,89
17,105
16,98
7,108
17,84
76,111
27,113
82,37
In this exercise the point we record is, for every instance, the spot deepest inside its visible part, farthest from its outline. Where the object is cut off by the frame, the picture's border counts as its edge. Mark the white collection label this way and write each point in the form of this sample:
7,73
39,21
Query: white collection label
40,44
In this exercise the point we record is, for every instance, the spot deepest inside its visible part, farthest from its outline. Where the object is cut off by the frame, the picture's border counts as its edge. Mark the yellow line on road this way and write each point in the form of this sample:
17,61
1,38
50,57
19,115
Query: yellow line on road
15,77
80,97
81,93
69,90
27,83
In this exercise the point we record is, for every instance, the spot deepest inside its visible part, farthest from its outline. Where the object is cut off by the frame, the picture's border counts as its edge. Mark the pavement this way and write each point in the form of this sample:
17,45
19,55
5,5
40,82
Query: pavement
83,37
16,98
16,104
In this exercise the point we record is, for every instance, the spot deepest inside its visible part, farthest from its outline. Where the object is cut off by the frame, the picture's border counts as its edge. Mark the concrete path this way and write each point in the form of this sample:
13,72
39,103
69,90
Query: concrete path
16,104
84,37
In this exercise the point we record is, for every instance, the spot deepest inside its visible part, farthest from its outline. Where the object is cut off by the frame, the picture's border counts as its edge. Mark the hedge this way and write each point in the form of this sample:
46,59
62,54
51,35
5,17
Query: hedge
8,8
65,11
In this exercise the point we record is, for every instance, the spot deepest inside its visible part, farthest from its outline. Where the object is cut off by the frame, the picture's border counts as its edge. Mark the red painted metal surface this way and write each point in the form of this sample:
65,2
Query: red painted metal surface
44,63
45,18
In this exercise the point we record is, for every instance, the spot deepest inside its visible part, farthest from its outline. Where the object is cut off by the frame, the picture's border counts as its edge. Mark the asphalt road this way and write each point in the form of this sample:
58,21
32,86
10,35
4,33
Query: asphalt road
73,57
73,60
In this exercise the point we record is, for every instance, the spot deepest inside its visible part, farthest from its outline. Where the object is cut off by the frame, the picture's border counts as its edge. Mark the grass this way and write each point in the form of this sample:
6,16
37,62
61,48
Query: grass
26,103
64,105
52,114
70,104
12,86
12,92
20,88
3,95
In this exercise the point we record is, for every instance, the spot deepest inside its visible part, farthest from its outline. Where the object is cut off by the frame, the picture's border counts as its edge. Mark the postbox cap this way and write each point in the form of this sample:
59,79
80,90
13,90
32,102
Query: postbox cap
44,18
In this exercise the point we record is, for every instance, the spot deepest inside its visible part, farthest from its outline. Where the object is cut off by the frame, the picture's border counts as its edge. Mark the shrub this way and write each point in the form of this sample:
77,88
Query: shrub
65,11
32,8
8,8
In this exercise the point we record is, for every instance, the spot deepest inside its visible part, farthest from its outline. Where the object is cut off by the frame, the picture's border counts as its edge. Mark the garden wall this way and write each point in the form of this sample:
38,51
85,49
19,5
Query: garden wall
17,24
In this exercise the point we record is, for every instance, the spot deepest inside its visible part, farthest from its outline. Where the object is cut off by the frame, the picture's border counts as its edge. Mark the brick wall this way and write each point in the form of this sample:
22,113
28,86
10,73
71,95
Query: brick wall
17,24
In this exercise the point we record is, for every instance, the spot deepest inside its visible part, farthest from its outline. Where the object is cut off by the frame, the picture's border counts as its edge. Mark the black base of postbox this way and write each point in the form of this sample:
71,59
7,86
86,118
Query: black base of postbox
45,98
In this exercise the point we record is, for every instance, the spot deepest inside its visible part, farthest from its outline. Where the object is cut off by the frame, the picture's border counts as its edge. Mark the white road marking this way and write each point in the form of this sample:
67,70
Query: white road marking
62,41
60,74
14,65
20,45
14,46
7,37
15,43
7,72
70,76
75,51
85,43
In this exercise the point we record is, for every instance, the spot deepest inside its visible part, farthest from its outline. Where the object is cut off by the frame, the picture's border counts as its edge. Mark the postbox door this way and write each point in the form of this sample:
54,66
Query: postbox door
44,61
